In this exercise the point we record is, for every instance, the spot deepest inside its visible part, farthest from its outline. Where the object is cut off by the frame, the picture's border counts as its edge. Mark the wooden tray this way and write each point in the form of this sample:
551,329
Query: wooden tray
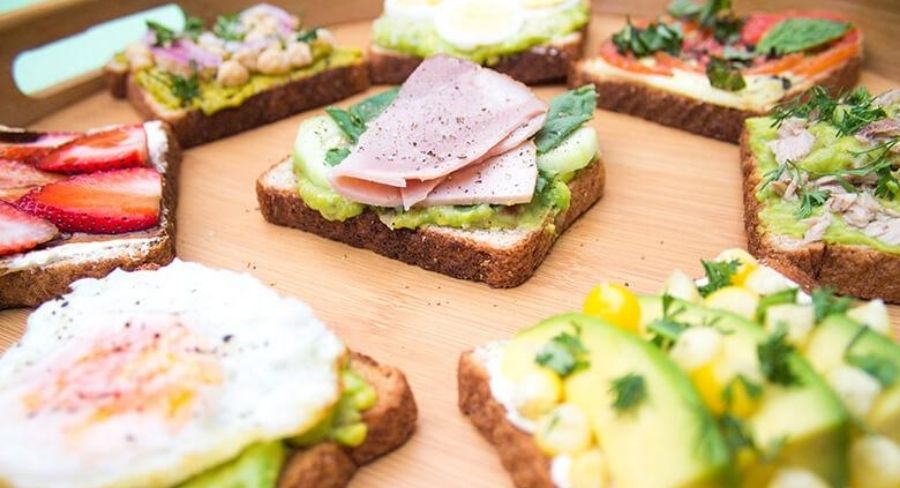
672,198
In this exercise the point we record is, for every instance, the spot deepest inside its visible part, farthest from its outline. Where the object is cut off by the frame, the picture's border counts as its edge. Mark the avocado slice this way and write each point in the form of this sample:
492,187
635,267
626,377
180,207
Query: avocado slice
258,466
827,349
668,440
803,425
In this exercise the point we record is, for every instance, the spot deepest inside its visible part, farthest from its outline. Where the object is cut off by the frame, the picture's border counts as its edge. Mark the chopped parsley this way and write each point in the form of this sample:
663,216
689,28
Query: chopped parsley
564,354
881,368
847,113
667,329
630,391
193,27
162,35
185,89
657,36
794,35
724,74
718,275
229,28
780,298
774,359
825,303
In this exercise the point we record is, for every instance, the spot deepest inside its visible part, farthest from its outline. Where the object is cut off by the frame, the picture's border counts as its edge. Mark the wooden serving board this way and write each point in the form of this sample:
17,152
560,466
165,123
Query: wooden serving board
672,198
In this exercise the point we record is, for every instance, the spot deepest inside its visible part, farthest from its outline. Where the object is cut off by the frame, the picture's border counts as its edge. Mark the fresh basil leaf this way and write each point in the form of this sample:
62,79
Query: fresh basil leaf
228,27
710,11
349,123
798,34
336,155
654,38
162,35
567,113
724,75
683,8
372,107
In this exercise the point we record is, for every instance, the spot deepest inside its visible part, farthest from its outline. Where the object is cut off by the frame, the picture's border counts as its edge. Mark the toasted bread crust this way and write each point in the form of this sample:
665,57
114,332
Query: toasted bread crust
36,284
850,269
537,65
527,465
686,113
390,424
193,127
450,254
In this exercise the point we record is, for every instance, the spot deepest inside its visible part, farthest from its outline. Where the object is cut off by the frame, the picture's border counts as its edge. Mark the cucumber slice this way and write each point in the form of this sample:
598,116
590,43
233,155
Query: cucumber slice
573,153
314,138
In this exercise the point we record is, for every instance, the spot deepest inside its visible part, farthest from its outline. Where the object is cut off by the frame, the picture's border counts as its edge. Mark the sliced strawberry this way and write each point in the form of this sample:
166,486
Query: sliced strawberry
108,202
28,147
116,148
21,232
21,175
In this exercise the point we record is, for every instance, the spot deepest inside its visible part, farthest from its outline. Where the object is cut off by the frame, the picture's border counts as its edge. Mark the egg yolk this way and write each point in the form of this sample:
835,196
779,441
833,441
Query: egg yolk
149,365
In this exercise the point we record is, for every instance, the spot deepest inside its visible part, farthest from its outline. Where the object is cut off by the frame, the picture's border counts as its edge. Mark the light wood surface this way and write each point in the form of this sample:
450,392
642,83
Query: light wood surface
672,198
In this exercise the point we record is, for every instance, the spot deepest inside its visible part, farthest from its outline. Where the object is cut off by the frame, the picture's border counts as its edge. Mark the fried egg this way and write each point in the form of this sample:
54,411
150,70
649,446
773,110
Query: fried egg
468,24
412,9
148,378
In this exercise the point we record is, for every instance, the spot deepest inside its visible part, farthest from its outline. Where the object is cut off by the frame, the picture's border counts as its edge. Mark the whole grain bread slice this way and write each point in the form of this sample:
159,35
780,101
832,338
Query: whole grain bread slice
546,63
527,465
31,278
854,270
690,114
193,127
390,424
500,258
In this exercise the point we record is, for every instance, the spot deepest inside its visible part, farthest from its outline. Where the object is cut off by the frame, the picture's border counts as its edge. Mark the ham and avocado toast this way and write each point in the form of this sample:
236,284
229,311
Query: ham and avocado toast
462,170
739,379
191,377
704,68
249,69
76,205
533,41
821,192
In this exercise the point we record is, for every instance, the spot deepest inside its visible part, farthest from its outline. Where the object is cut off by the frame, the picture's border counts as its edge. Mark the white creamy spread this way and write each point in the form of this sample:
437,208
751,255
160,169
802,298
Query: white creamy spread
560,467
79,252
760,94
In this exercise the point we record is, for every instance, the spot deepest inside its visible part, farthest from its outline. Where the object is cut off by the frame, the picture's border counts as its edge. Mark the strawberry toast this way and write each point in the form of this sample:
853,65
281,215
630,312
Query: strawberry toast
76,205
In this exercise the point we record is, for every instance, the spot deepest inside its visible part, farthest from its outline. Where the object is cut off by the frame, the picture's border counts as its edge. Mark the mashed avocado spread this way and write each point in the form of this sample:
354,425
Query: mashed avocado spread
418,37
830,152
259,466
213,97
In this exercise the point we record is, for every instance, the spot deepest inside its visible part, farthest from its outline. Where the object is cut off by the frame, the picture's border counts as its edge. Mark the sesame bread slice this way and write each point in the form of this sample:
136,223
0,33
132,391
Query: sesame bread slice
546,63
854,270
500,258
691,114
193,127
390,424
31,278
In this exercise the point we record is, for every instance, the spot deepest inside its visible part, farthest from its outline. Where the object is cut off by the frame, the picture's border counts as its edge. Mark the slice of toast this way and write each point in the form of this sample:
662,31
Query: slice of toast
527,465
690,114
193,127
546,63
500,258
28,279
854,270
390,424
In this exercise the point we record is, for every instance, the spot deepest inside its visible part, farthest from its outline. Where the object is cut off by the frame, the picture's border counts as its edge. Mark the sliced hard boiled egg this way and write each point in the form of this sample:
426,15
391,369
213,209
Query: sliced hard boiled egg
468,24
540,8
413,9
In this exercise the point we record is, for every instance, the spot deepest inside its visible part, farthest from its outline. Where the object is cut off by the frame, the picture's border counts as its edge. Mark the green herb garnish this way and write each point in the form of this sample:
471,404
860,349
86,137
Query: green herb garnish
724,74
308,35
715,15
630,391
564,354
825,303
193,27
657,36
336,155
353,120
185,89
848,113
753,389
809,201
567,113
780,298
162,35
718,274
881,368
774,359
667,329
799,34
228,27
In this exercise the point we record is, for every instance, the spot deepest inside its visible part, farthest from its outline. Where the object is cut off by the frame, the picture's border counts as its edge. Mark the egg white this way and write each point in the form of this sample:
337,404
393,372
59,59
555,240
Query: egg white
278,375
539,8
412,9
468,24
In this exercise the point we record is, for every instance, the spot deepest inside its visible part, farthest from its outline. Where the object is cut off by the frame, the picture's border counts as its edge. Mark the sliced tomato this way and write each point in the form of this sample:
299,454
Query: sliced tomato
843,50
777,65
611,55
666,60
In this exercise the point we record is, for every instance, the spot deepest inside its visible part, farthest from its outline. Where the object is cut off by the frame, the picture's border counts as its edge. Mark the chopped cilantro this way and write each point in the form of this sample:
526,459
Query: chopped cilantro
878,367
228,27
193,27
718,275
826,303
185,89
162,35
666,330
774,359
564,354
657,36
630,390
782,297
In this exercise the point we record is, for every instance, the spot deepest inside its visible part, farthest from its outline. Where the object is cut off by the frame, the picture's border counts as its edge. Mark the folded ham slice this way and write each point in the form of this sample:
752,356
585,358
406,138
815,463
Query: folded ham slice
449,115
